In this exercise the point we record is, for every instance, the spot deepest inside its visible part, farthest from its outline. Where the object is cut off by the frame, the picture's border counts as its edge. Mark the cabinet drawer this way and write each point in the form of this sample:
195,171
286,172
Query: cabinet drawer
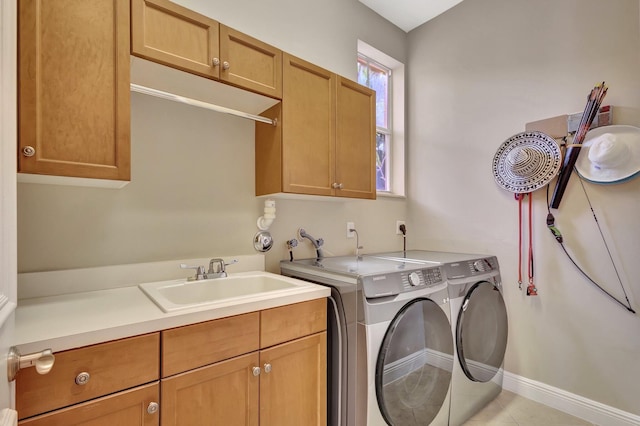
129,407
290,322
112,366
197,345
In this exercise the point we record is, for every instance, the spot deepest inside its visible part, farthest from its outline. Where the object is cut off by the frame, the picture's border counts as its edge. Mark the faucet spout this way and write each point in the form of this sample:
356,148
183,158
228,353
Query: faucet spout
316,243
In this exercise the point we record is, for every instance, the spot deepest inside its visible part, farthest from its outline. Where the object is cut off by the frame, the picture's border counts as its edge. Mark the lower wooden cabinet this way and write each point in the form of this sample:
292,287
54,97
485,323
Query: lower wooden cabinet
264,368
135,407
280,386
83,374
226,391
293,383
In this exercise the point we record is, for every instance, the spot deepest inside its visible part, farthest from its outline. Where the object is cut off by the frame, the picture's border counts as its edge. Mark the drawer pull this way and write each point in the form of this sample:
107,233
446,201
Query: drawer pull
83,378
43,361
153,407
255,371
267,368
28,151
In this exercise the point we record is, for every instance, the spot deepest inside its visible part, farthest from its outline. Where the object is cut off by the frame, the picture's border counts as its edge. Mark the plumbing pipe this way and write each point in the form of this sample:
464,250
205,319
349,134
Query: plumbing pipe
265,221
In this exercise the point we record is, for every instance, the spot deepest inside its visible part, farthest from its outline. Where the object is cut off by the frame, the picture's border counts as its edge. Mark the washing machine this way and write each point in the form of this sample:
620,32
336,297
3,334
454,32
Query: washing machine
390,362
478,323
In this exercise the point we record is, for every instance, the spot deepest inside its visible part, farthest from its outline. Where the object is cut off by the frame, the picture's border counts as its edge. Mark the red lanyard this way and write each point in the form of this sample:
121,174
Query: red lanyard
531,288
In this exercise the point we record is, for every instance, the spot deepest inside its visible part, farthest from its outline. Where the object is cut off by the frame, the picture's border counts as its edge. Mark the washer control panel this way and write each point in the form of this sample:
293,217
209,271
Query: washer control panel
427,277
384,285
471,268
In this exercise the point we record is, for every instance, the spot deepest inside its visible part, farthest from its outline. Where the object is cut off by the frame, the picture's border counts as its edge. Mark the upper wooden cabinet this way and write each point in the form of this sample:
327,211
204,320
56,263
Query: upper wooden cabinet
325,142
355,140
172,35
73,109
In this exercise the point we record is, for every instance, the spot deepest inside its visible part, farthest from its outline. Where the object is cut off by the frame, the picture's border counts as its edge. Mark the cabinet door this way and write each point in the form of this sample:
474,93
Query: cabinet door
355,140
74,88
294,390
129,408
249,63
308,132
225,393
172,35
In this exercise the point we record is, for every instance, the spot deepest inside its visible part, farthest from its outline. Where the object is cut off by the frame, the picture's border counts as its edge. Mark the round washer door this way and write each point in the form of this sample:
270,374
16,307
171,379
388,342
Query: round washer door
413,369
481,332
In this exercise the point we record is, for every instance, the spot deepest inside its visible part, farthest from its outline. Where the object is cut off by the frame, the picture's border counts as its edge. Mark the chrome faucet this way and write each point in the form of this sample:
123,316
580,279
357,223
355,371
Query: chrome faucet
219,272
213,272
316,243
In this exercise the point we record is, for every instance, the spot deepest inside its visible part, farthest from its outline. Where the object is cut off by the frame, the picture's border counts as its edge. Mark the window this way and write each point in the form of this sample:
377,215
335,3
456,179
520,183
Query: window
385,76
378,77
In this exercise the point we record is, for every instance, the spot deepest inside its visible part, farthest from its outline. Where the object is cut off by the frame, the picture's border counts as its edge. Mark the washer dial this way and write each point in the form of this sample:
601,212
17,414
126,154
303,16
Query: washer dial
414,279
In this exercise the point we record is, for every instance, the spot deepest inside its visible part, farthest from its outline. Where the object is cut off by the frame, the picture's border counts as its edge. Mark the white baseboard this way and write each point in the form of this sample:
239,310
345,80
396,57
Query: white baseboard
578,406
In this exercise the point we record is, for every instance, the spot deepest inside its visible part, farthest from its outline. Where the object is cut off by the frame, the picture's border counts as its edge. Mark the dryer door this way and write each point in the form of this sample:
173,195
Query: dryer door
481,332
413,370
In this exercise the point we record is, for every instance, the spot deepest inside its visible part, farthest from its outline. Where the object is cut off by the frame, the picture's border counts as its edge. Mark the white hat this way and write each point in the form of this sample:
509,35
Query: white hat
526,161
610,154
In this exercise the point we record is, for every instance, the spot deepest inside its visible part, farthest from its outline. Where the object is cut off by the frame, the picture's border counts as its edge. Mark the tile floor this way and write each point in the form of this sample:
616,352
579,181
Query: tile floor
511,409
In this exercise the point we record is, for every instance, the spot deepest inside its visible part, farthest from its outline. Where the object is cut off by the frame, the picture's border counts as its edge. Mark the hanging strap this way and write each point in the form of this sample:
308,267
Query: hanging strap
519,197
531,288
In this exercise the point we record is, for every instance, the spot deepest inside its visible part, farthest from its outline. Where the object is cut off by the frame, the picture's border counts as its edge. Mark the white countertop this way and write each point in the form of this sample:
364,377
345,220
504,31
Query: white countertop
66,321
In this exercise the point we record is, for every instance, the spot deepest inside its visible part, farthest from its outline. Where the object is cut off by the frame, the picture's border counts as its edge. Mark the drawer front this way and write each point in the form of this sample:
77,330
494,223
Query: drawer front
130,407
197,345
112,366
290,322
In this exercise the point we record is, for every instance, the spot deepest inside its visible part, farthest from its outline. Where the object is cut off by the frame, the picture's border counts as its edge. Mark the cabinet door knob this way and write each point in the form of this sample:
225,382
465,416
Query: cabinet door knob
83,378
28,151
267,368
255,371
336,185
225,65
153,407
216,62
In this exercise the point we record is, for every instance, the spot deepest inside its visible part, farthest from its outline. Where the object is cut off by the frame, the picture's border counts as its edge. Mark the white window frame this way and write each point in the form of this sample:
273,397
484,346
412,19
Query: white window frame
397,118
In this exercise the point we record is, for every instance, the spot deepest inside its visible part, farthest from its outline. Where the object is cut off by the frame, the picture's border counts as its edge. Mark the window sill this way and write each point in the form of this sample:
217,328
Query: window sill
385,194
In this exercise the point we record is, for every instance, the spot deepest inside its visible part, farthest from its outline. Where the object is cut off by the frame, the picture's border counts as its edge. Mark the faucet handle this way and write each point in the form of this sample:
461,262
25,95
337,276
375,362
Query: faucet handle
233,262
200,275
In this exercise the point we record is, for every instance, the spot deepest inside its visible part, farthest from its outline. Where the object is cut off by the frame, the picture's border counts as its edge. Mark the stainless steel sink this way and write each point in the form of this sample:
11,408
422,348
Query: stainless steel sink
182,294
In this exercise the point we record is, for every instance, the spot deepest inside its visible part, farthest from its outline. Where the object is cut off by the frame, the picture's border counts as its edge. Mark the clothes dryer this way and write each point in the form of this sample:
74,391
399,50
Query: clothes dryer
391,359
478,323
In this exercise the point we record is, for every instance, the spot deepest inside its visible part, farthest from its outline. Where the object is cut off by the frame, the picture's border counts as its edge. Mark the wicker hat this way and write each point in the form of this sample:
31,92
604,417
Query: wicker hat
610,154
526,161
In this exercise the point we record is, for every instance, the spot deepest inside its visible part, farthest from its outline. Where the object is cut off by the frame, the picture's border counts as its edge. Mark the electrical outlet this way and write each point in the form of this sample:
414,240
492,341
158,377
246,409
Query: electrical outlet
350,233
398,223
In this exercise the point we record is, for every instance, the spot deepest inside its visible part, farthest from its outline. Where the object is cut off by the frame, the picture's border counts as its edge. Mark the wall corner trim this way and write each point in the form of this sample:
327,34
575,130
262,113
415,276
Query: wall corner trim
575,405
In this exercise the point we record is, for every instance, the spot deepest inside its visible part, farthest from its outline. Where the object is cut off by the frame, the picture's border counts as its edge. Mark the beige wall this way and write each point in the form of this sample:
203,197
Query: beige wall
477,74
192,189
